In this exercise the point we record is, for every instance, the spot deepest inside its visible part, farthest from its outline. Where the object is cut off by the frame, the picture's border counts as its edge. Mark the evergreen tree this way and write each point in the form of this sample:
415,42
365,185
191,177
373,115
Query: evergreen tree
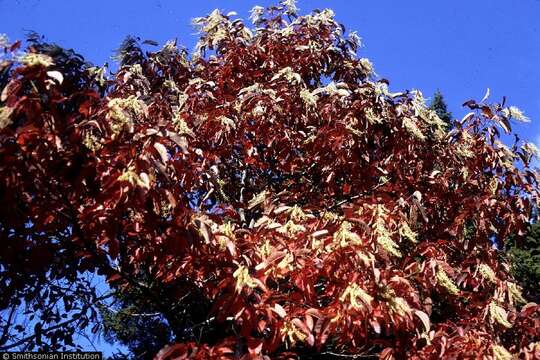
525,259
439,106
136,324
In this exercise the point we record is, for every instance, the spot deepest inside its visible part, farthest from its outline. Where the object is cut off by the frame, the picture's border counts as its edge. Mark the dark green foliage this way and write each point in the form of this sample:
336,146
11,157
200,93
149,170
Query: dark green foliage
135,323
439,106
525,259
146,317
130,51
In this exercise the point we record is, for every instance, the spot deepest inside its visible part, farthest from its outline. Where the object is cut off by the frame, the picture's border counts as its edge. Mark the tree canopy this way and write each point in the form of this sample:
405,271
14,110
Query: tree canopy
265,194
524,256
438,105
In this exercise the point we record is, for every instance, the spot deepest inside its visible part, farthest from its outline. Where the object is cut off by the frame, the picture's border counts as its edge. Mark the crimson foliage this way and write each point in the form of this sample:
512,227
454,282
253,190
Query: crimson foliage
269,184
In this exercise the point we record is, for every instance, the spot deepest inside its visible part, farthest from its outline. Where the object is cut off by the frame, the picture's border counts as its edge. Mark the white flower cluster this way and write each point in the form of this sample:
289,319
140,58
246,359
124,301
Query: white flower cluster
515,113
33,59
5,117
357,297
121,111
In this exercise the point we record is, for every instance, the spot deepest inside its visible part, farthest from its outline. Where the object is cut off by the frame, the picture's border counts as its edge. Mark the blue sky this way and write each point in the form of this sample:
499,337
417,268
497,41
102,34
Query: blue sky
461,47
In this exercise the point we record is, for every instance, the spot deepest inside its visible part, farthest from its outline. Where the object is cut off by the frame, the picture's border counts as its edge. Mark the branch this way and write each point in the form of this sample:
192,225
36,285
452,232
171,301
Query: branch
57,326
350,198
5,332
349,356
44,331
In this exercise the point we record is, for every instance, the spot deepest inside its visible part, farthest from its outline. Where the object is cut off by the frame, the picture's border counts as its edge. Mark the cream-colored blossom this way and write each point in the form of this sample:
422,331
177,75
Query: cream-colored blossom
381,89
396,304
366,66
243,279
366,259
121,111
259,110
464,146
317,245
34,59
171,85
309,99
286,262
464,150
534,346
427,115
372,117
326,17
4,41
215,27
264,250
353,294
531,149
290,7
498,315
406,232
181,126
330,216
99,74
5,116
257,89
515,292
400,306
288,73
297,214
418,102
227,229
142,179
500,353
410,125
91,141
431,117
383,236
165,208
182,99
290,228
258,199
447,283
338,89
344,237
287,30
256,14
494,185
355,39
515,113
208,23
388,245
354,130
487,273
227,123
292,333
136,69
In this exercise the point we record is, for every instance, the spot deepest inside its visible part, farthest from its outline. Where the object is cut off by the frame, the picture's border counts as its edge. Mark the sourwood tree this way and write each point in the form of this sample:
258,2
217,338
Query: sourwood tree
265,194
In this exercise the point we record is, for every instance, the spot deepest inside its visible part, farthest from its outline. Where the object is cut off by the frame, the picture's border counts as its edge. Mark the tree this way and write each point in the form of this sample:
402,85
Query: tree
267,196
439,106
134,323
525,260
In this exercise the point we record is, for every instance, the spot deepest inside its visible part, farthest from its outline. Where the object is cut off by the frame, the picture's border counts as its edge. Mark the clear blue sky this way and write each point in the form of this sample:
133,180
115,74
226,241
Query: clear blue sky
461,47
